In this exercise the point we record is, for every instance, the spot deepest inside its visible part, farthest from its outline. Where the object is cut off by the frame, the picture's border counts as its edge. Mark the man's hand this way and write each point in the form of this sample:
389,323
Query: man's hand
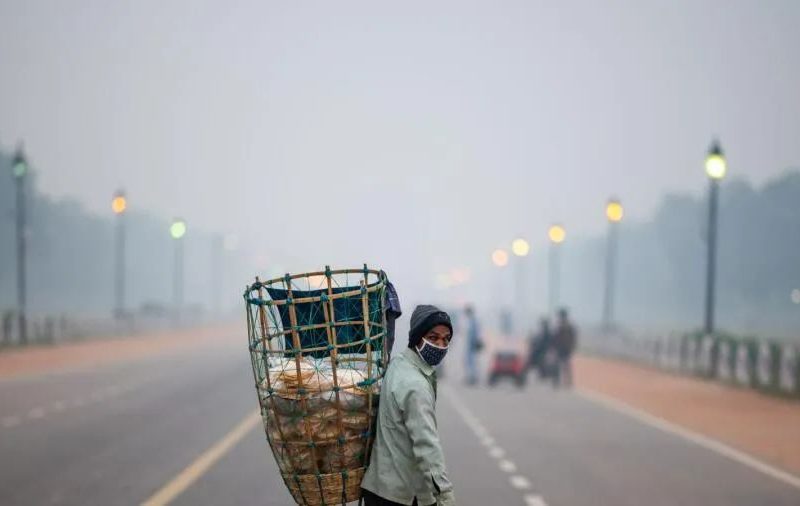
446,499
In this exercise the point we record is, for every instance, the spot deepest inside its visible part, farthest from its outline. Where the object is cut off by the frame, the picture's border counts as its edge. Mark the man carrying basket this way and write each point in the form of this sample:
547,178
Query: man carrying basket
407,464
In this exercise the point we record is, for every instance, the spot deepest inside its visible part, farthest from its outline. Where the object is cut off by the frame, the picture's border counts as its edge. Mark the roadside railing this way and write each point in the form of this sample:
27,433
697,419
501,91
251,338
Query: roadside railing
768,365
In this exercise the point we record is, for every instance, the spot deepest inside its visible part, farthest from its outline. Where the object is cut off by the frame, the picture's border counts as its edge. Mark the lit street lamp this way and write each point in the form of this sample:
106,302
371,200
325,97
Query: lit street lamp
500,258
19,168
715,170
119,204
556,234
177,230
614,214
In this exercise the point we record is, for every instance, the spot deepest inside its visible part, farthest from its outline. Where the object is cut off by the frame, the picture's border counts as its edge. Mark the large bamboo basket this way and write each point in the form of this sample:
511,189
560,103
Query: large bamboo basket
317,348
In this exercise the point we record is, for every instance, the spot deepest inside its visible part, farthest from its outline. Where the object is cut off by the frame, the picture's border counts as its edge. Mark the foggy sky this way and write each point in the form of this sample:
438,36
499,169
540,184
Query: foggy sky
417,136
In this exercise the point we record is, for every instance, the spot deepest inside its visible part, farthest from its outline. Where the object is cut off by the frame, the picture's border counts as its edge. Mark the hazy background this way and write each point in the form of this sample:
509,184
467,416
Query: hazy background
416,137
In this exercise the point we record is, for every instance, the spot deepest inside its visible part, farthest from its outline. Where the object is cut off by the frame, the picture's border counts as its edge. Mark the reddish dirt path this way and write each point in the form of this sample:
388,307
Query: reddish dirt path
43,359
765,427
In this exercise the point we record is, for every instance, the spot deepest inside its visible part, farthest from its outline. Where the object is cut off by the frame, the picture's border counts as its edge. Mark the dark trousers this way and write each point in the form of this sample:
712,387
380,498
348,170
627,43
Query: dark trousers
371,499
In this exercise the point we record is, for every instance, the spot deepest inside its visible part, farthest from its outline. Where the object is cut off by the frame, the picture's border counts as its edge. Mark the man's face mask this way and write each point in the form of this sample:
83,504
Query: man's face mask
431,353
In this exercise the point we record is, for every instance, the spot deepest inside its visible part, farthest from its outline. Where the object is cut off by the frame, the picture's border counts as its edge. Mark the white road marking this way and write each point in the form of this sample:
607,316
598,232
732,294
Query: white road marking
693,437
520,482
496,452
507,466
58,406
534,500
36,413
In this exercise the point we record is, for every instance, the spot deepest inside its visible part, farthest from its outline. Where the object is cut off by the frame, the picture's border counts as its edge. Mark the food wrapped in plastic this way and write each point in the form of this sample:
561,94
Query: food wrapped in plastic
295,457
346,455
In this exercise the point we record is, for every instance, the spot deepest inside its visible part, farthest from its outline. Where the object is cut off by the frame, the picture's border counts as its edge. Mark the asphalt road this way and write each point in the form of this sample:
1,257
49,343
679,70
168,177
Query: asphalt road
119,434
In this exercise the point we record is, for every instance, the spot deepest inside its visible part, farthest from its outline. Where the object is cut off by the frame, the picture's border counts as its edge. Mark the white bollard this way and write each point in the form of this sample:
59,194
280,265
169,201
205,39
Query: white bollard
724,371
764,367
788,380
742,364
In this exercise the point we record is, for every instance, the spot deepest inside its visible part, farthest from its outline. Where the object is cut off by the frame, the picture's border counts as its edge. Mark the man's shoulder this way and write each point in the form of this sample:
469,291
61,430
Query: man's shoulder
404,375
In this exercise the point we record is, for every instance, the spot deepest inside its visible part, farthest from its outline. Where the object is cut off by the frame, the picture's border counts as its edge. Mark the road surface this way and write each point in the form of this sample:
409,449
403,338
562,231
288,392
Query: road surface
180,426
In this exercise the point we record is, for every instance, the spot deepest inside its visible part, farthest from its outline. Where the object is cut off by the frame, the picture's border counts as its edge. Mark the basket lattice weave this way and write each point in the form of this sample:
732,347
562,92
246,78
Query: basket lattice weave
317,347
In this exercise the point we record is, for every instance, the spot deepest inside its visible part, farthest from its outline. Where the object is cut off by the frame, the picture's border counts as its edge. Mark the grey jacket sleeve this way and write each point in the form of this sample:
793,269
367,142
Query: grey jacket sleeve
420,420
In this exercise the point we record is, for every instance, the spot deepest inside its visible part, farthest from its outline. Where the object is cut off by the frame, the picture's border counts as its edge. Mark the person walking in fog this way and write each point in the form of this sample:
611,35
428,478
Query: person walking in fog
566,339
474,346
541,351
407,463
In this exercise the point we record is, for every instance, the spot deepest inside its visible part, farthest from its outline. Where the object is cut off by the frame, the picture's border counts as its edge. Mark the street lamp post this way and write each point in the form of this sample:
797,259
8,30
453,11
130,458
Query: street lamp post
520,248
614,214
715,170
177,230
556,234
217,245
119,204
20,172
500,260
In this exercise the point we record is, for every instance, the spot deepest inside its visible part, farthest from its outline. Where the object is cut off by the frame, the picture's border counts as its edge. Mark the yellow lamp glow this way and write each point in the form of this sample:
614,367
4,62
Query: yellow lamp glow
557,234
520,247
614,211
500,257
119,204
177,229
716,166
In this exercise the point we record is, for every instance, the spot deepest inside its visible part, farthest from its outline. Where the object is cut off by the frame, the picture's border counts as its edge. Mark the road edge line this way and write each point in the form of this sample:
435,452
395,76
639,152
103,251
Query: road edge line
194,471
694,437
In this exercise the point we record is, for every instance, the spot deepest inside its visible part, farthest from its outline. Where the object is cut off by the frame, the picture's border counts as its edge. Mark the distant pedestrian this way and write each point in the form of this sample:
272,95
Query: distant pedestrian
565,341
542,354
474,345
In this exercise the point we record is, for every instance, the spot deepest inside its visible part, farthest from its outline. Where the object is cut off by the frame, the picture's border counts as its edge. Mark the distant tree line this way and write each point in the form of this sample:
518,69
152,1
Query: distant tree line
662,262
71,257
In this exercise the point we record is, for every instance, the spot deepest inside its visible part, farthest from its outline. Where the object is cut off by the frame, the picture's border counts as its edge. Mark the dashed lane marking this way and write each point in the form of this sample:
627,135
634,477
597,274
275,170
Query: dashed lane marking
40,412
534,500
520,482
517,481
36,413
496,452
507,466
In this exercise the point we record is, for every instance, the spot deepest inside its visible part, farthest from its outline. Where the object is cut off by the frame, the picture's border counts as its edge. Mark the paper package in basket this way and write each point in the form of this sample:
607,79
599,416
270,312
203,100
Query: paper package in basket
303,408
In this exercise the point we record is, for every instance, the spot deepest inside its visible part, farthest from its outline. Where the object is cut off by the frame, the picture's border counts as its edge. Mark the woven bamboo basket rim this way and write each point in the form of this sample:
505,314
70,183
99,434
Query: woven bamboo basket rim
323,297
374,287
